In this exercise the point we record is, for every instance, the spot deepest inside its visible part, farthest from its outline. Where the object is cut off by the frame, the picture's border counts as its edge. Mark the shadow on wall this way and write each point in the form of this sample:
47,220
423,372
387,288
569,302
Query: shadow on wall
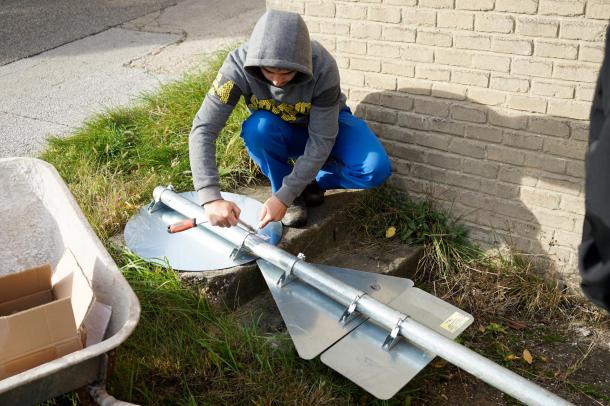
515,180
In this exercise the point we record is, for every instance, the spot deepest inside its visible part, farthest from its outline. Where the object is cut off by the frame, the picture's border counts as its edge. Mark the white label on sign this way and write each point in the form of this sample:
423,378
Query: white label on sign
454,322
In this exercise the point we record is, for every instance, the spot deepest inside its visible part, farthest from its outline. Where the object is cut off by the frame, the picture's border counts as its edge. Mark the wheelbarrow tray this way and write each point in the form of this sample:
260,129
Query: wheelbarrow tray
40,221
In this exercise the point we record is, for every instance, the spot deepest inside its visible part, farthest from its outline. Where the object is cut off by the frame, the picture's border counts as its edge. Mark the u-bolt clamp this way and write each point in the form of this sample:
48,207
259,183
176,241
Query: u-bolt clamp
240,251
287,276
348,314
393,337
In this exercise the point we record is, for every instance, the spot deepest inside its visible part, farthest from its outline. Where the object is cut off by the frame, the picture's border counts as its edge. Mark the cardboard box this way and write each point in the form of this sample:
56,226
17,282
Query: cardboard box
42,314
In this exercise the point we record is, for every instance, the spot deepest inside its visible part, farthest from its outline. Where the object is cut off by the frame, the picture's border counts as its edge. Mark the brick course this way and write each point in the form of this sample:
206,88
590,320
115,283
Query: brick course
485,101
562,7
536,27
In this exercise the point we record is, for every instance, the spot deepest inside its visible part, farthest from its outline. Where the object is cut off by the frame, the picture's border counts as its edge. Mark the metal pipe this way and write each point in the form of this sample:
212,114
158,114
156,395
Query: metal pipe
470,361
98,391
481,367
102,398
235,235
309,273
497,376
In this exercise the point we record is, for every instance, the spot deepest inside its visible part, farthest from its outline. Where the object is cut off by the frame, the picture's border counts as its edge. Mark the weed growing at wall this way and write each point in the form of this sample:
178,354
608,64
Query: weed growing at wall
456,268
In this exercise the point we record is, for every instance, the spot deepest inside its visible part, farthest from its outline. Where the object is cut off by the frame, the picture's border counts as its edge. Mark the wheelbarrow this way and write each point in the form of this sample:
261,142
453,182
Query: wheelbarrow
40,221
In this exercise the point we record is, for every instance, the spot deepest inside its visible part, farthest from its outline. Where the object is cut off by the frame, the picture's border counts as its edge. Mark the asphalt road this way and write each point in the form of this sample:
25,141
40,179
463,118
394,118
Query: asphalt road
29,27
86,56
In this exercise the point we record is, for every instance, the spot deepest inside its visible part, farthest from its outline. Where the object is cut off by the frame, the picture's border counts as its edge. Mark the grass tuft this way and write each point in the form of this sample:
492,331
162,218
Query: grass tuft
454,267
115,160
417,223
187,351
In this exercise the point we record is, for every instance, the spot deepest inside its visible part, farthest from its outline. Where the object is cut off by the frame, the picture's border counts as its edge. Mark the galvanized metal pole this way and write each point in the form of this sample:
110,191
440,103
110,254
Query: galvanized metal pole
479,366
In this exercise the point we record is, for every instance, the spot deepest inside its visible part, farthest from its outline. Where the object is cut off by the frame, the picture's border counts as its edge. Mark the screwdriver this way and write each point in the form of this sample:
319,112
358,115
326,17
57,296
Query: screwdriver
190,223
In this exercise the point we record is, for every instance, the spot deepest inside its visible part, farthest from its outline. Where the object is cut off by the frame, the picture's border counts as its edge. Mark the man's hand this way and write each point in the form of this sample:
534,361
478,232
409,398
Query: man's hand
273,210
222,213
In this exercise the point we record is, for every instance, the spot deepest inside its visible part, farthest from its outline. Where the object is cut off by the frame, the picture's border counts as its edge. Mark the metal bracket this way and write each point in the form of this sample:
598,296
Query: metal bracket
393,337
287,276
238,252
348,314
157,204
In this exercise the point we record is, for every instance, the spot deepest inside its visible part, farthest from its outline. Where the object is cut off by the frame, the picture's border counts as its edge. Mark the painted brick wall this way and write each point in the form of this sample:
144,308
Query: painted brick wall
482,104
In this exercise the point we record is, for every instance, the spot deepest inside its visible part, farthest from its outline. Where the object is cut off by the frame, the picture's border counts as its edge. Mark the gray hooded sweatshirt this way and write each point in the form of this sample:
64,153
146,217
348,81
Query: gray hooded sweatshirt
313,99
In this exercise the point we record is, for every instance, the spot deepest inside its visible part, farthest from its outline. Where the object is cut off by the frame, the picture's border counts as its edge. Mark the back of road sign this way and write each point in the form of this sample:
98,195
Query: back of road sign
355,349
312,318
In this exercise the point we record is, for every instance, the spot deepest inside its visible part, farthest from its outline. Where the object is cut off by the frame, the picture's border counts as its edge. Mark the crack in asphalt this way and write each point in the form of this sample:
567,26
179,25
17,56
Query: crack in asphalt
8,113
145,26
156,51
183,35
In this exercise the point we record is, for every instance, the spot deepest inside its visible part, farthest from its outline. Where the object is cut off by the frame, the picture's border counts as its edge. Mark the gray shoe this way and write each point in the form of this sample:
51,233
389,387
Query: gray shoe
313,194
296,215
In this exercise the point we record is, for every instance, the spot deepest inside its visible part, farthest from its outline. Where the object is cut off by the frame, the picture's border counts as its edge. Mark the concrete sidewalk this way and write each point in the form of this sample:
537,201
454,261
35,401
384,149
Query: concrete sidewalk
55,91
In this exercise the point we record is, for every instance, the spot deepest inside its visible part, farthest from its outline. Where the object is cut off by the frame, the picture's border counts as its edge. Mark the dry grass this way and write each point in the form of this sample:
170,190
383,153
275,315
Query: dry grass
496,284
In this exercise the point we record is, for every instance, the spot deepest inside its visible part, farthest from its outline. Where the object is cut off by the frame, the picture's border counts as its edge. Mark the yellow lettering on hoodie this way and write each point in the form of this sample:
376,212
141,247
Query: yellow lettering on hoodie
302,107
287,112
223,92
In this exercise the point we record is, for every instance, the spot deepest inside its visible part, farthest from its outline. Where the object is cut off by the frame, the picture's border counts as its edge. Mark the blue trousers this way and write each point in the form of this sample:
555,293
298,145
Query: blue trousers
357,160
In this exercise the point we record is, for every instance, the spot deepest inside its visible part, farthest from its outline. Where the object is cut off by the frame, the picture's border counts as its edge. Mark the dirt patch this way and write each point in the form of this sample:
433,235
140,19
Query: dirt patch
569,365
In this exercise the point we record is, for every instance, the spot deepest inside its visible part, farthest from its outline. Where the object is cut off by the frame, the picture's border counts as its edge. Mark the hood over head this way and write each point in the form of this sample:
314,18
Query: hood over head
280,39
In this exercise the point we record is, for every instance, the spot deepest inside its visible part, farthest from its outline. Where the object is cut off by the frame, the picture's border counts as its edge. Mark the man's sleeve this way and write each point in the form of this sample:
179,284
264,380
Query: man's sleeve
323,128
209,121
594,252
594,270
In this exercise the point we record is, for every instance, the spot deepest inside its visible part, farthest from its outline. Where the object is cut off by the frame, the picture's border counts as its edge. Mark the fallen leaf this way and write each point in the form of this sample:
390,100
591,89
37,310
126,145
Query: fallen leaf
527,357
510,357
482,329
543,358
439,364
390,232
